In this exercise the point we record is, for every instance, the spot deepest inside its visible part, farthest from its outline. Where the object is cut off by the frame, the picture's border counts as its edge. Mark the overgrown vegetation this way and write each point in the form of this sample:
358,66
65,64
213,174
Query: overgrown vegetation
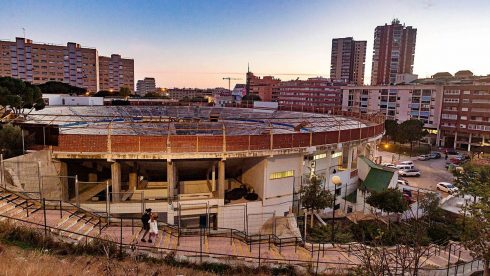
475,182
10,140
30,238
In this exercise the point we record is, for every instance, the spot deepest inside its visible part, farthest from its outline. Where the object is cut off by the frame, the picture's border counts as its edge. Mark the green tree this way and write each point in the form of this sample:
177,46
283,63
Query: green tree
155,95
104,93
10,140
124,92
390,201
315,197
430,203
199,99
391,128
250,98
475,181
410,131
56,87
19,96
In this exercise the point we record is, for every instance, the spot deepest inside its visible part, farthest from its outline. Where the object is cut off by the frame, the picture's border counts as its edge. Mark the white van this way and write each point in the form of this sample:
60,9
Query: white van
406,163
404,167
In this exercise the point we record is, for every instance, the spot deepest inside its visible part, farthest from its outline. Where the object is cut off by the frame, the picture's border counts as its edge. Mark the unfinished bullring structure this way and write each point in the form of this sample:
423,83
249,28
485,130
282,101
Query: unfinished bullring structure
222,167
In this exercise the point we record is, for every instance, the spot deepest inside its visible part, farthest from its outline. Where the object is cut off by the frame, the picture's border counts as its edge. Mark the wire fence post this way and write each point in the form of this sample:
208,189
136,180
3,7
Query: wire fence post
200,244
448,259
120,240
45,222
77,192
107,202
27,208
2,169
260,241
61,210
40,179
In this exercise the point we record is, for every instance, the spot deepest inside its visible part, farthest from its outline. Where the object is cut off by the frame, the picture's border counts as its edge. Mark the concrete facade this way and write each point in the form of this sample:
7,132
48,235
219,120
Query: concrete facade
38,63
116,72
348,60
393,53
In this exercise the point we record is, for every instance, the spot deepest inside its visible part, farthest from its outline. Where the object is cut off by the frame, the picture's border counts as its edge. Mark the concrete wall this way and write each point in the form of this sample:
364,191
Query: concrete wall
254,175
22,172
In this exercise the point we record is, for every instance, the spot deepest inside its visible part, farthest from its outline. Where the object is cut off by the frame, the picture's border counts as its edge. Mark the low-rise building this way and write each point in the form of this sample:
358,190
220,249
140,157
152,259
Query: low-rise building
64,99
314,92
145,86
261,86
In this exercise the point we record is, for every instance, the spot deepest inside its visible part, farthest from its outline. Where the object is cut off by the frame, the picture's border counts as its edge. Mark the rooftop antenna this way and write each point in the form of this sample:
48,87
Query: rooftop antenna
248,67
24,32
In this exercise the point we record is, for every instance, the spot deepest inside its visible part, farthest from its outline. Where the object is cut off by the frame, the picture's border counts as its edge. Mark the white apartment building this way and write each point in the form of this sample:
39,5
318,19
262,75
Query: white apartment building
397,102
145,86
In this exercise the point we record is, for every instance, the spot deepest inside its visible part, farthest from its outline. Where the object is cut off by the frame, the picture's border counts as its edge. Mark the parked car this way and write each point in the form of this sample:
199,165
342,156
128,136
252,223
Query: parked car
451,152
404,167
388,165
447,187
458,160
435,155
409,172
403,182
423,157
406,163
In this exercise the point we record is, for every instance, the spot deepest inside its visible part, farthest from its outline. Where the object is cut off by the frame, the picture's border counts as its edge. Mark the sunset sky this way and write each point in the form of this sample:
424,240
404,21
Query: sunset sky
197,43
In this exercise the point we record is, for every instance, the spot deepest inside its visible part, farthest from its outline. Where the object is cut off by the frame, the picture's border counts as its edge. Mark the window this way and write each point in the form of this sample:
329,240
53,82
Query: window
278,175
451,100
319,156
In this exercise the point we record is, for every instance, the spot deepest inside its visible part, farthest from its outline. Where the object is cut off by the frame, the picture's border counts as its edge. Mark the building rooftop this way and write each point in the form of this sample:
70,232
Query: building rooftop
191,120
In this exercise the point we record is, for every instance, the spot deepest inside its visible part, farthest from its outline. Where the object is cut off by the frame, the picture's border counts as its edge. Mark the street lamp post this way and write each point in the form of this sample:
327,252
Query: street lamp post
336,182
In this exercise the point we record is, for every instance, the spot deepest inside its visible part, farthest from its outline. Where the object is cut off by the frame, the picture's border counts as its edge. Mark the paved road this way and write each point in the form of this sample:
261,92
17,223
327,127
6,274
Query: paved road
432,171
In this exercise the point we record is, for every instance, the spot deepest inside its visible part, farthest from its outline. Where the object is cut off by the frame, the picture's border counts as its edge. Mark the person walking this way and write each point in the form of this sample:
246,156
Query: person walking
145,219
153,227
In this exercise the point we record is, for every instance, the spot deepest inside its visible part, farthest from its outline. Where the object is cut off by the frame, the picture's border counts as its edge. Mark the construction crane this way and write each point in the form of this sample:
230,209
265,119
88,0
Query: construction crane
229,81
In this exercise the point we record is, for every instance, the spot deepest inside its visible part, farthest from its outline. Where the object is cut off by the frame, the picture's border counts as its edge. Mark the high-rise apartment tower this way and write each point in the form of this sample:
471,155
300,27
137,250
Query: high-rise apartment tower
348,60
393,53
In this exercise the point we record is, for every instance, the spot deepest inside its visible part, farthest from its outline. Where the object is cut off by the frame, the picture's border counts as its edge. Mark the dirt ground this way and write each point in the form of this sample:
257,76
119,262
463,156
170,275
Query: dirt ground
17,261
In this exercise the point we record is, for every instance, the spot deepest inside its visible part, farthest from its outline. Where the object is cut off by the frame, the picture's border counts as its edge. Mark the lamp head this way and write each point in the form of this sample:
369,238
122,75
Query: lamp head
336,180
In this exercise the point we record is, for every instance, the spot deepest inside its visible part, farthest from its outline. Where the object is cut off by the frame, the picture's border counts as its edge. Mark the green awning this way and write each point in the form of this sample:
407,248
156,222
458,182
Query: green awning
377,180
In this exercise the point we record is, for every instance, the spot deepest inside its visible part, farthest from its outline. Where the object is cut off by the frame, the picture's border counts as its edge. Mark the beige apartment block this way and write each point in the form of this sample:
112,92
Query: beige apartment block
40,62
116,72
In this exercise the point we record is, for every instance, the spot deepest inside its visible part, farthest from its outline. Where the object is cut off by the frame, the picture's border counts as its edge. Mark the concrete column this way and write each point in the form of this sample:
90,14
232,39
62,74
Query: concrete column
455,140
92,177
116,180
170,180
221,179
349,158
133,179
469,143
213,177
329,168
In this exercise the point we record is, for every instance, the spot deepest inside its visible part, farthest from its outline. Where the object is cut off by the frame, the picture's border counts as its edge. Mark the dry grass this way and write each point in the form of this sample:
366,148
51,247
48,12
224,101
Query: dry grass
16,261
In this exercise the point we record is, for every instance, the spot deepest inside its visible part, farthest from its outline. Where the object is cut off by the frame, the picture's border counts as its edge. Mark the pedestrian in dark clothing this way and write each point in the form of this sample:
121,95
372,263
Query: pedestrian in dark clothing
145,219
